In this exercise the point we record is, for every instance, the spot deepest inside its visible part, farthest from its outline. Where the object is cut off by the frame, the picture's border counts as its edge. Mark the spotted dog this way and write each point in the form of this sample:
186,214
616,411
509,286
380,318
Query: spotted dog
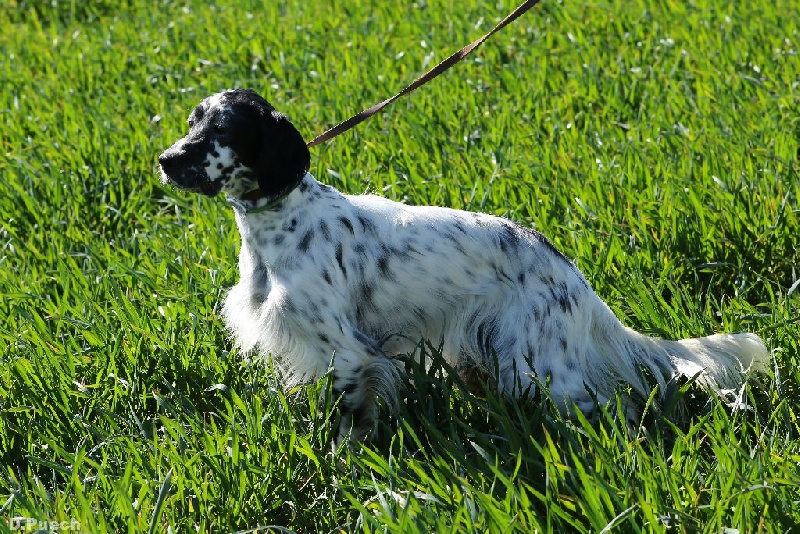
358,280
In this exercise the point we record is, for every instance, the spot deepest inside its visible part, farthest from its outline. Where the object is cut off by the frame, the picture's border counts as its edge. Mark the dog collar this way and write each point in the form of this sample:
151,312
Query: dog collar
255,195
237,204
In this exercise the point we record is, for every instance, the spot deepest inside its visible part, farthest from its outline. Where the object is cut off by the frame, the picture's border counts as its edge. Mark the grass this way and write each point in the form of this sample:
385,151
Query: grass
656,143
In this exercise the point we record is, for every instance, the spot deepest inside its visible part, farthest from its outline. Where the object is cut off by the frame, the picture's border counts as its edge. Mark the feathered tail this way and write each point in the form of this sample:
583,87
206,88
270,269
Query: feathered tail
719,363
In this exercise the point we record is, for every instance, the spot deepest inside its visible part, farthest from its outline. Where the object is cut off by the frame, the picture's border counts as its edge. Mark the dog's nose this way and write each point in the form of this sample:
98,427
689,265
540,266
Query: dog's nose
167,160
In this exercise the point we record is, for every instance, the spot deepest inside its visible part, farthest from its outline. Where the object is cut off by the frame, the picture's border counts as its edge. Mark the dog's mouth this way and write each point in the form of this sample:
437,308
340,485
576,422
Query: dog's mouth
191,180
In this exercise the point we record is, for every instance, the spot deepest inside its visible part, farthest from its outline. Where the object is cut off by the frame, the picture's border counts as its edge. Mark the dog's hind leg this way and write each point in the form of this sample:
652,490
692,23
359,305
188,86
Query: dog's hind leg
556,353
549,365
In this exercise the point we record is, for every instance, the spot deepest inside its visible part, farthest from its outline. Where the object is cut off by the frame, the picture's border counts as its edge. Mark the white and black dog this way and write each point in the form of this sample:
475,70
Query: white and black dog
359,280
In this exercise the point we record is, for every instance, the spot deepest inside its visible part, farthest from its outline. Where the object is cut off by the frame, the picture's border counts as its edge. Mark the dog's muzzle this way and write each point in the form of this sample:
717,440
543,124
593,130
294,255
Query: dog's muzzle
176,170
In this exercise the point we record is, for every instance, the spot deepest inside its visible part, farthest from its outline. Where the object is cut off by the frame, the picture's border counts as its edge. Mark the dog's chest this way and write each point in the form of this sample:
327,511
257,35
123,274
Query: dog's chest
254,284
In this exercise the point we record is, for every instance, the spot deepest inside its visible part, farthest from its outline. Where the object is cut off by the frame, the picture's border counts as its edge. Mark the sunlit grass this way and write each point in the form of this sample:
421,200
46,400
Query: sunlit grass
654,143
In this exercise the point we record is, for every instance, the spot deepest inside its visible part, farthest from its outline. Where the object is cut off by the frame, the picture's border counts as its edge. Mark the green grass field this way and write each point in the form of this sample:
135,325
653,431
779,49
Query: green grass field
656,143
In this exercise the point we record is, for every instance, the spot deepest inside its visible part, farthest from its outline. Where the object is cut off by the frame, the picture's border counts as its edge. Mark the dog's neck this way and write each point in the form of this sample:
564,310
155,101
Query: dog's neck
263,232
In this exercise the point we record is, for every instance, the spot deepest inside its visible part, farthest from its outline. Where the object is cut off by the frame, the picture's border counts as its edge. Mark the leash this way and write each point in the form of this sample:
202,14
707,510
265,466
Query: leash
355,120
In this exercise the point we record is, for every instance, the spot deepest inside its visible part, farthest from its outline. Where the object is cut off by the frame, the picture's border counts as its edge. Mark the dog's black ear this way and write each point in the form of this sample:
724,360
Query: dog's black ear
284,156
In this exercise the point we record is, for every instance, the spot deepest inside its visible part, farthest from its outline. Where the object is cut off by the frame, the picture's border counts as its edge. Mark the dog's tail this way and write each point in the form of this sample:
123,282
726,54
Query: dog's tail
719,363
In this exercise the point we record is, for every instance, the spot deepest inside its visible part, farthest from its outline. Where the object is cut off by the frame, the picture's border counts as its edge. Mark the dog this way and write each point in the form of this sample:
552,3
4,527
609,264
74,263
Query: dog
354,282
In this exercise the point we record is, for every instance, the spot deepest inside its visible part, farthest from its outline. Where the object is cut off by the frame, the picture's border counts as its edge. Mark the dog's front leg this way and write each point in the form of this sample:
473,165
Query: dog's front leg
362,375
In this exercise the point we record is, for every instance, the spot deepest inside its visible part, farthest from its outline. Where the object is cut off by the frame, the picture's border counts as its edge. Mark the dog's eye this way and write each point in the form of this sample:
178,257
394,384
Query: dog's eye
220,128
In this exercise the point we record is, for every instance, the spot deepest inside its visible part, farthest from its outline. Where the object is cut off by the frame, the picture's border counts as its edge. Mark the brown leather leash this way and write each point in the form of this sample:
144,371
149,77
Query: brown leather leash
355,120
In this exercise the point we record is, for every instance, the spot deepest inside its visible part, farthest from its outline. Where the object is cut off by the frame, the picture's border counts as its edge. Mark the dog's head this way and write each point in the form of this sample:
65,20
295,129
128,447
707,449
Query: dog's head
237,143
